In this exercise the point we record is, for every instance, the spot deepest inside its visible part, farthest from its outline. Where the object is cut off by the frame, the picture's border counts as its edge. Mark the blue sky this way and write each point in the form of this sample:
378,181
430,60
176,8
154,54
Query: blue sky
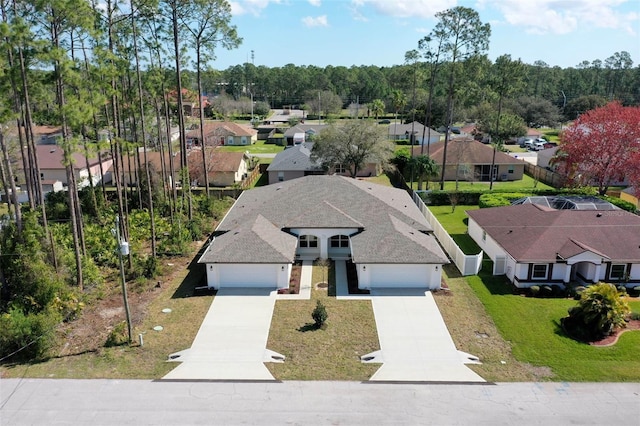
379,32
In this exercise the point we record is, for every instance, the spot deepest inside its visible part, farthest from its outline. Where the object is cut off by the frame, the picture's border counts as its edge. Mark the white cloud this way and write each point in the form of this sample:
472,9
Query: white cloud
315,3
404,8
318,21
254,7
565,16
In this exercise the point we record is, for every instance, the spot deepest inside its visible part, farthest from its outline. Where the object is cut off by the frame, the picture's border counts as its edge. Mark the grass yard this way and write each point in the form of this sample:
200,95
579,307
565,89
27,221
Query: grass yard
526,184
531,326
330,353
260,147
456,225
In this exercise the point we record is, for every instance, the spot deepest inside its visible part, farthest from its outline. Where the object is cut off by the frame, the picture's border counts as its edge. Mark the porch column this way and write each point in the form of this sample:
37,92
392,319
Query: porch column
324,251
567,274
596,278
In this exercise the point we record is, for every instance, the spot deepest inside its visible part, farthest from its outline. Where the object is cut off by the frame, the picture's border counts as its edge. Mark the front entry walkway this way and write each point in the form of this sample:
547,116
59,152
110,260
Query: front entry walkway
415,345
231,343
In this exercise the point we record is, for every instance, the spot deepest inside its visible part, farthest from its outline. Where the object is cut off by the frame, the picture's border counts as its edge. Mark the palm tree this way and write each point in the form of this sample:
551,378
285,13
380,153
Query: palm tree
377,107
424,168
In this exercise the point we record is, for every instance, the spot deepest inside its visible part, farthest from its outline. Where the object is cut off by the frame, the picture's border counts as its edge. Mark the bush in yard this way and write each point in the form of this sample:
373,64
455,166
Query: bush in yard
599,311
319,314
534,289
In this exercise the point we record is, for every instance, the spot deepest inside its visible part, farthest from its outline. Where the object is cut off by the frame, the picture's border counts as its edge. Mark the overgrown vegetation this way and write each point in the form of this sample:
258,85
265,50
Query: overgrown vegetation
38,289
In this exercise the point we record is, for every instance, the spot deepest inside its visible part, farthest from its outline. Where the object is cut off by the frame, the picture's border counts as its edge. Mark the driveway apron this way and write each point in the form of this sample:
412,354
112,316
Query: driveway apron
231,343
415,344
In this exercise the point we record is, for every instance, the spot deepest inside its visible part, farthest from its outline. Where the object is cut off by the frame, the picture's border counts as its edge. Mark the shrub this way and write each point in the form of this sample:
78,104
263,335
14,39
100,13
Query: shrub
118,335
622,289
26,336
319,314
577,292
598,312
534,289
624,205
634,316
546,291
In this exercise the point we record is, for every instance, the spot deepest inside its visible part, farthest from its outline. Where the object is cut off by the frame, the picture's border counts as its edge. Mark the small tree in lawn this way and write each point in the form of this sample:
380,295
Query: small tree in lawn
323,264
319,314
600,310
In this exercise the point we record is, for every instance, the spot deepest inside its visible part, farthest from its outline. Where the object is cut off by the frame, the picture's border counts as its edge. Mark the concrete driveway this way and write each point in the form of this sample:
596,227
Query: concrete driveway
415,345
231,343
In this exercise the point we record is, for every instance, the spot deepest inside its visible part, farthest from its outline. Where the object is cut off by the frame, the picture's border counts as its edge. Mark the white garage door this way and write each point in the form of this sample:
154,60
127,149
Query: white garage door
248,275
398,276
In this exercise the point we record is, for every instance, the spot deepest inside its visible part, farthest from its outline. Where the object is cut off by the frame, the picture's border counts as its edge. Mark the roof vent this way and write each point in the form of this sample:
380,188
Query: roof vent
599,215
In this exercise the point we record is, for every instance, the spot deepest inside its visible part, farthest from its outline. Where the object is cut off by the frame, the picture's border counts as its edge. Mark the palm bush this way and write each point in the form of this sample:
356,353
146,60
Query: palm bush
599,311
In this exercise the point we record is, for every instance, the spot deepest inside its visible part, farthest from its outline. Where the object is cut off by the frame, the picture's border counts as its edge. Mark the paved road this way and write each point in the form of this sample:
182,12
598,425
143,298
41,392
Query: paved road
136,402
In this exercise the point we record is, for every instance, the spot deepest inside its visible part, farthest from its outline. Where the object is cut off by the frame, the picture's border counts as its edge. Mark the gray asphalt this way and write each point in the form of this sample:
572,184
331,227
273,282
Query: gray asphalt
137,402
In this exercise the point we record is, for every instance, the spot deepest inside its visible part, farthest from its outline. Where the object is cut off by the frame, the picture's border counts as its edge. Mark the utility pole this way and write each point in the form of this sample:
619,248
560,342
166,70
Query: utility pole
123,250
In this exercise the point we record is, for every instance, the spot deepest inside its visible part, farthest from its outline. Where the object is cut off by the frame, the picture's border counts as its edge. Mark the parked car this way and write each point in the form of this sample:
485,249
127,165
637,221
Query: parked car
526,143
537,146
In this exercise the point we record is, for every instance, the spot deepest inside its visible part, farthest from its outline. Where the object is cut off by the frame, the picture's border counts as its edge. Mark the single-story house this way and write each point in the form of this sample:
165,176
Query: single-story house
422,135
468,159
52,169
544,158
631,195
222,133
47,135
280,116
376,227
537,245
302,133
130,169
296,161
225,168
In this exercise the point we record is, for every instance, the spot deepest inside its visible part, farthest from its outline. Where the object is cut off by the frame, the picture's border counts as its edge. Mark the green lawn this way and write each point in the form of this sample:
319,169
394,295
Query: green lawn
455,222
531,325
526,184
260,147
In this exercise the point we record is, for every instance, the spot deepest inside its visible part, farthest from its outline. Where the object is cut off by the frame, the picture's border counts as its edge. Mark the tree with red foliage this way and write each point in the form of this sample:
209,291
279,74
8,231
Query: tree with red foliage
602,147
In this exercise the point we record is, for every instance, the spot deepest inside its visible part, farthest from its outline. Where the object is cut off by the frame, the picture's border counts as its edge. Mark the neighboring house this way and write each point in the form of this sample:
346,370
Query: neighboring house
302,133
222,133
468,159
47,135
131,174
296,161
536,245
50,161
279,116
225,168
631,195
544,158
399,131
534,133
378,228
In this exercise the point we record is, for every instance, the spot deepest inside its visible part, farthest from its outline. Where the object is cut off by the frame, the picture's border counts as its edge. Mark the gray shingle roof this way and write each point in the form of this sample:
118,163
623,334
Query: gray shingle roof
392,229
296,158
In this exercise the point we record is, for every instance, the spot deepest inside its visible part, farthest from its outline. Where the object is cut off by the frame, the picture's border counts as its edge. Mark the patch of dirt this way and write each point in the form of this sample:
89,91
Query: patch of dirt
89,332
612,339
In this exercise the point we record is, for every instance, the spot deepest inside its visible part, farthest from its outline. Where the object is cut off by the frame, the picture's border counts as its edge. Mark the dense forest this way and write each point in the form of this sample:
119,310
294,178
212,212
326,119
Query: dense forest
125,69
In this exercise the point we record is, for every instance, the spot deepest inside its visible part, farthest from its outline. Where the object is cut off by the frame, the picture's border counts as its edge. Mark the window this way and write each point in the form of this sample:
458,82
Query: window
308,241
230,140
484,235
280,176
243,140
539,272
339,241
340,168
617,272
510,169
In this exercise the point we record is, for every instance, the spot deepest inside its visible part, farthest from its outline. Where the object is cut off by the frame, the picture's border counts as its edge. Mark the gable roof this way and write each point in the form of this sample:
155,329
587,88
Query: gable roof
390,227
467,151
50,157
402,129
295,158
221,128
154,158
531,233
218,161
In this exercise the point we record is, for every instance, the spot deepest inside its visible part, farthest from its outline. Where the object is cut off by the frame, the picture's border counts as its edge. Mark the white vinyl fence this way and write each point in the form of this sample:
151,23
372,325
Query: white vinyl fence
467,264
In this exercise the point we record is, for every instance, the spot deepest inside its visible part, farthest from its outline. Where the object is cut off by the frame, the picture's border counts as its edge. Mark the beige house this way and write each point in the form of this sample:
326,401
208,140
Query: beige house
470,160
225,168
52,169
222,133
